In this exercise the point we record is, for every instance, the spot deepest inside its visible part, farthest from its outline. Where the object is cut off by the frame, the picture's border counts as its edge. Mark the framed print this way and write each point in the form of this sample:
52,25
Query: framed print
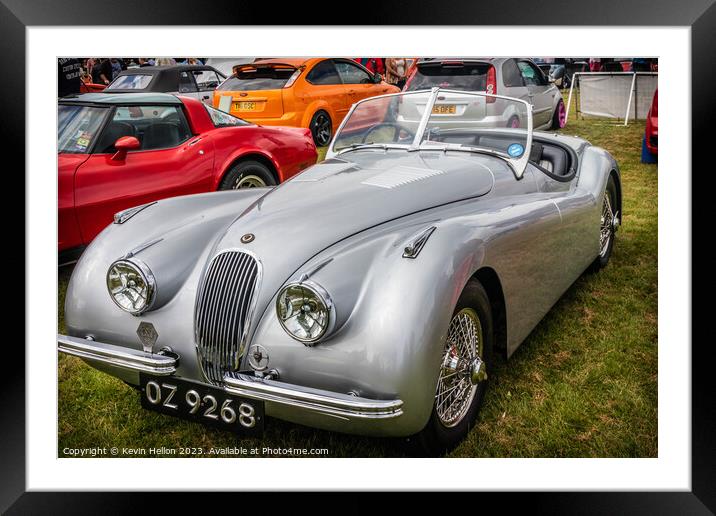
311,265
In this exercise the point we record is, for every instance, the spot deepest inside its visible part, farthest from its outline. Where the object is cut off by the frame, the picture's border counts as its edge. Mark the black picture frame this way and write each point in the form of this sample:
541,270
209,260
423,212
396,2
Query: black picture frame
700,15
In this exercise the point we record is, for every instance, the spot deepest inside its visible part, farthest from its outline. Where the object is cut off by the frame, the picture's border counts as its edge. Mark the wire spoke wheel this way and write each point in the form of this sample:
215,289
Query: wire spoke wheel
606,231
464,347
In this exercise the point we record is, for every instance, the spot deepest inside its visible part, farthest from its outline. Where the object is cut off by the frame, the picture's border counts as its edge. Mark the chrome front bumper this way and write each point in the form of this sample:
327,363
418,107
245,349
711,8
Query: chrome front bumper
118,356
314,400
303,405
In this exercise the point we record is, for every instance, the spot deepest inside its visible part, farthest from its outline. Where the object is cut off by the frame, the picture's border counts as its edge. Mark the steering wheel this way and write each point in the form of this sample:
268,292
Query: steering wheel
400,132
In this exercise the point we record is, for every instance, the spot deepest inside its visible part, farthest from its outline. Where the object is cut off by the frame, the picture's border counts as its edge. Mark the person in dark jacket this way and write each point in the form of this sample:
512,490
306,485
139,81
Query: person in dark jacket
102,71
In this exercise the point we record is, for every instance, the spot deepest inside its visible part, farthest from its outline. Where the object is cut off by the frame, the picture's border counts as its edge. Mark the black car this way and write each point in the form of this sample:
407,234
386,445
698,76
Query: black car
198,81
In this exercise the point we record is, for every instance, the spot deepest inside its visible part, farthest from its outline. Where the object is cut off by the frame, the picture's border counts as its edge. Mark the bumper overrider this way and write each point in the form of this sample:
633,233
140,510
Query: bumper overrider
304,405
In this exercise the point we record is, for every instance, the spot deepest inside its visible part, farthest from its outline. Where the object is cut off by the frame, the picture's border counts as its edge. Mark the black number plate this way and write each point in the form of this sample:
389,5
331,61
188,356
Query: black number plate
203,403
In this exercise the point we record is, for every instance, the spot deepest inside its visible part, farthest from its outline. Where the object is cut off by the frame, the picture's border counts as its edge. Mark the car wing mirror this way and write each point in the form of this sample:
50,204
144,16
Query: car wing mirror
124,145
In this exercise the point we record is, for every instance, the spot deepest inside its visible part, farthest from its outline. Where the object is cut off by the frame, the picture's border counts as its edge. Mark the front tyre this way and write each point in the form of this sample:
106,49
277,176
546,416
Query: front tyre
247,174
462,373
608,223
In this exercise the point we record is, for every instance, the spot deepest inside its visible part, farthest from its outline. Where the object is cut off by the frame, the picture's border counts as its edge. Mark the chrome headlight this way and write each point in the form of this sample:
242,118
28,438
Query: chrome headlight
131,286
305,311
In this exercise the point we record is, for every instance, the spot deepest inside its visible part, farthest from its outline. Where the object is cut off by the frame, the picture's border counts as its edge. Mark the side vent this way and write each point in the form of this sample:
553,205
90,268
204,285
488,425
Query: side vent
412,250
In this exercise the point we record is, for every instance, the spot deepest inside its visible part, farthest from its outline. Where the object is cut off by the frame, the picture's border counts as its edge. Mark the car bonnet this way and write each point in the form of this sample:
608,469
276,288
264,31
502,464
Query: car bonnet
339,198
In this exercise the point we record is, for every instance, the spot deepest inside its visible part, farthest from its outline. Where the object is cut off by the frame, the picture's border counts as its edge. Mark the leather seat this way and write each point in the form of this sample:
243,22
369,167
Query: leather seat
114,131
161,135
558,158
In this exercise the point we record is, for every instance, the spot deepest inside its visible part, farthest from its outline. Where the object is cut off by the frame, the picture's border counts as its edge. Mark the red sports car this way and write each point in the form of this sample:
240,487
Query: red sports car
116,151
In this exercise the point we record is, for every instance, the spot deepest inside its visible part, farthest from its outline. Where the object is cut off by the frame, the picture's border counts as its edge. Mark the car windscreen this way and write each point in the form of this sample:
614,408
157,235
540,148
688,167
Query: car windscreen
131,82
460,76
494,124
441,120
221,119
378,121
258,78
77,127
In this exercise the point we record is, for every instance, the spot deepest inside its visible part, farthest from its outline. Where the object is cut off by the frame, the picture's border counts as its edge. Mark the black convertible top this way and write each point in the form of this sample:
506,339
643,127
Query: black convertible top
165,78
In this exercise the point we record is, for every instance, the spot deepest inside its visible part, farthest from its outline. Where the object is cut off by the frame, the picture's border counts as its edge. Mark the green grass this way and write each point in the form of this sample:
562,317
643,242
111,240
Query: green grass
583,384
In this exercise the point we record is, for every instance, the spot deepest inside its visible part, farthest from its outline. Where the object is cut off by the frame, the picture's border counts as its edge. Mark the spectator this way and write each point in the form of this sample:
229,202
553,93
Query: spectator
165,61
640,64
116,67
374,64
595,64
396,69
68,76
89,64
102,71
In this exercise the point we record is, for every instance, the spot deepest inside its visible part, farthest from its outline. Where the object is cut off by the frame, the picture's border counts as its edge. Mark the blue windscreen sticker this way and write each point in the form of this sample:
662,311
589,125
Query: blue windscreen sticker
515,150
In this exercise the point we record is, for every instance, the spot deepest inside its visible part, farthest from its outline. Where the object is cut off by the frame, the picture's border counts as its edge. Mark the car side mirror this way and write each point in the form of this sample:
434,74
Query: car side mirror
377,78
123,145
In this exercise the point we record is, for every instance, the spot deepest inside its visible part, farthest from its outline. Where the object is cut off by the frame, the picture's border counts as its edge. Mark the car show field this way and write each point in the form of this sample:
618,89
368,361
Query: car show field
583,383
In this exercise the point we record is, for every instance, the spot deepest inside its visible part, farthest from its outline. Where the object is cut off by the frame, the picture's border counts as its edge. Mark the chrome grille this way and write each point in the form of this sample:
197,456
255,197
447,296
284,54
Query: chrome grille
223,311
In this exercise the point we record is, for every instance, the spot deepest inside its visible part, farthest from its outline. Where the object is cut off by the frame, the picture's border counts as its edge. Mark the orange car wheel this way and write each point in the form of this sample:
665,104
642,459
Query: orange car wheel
321,128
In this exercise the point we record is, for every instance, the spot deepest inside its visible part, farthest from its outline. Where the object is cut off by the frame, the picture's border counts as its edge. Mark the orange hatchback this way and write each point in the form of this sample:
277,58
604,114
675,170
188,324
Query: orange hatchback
315,93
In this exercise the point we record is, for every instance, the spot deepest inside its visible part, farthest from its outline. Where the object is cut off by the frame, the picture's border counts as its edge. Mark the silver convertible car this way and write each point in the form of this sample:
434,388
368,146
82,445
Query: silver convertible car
369,294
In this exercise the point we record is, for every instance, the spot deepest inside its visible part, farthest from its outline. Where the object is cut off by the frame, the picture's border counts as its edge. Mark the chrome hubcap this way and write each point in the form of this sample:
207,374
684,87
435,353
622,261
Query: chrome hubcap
249,181
607,225
462,368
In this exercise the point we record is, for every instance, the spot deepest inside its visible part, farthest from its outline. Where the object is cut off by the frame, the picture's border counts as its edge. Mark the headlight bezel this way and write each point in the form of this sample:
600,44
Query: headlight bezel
325,298
143,270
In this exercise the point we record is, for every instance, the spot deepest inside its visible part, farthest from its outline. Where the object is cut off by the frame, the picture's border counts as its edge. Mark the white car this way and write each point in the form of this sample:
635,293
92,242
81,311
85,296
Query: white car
226,65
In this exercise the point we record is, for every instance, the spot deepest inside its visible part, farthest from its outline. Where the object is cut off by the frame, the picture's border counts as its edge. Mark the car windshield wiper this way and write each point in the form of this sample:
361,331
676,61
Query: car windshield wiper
383,146
463,148
365,144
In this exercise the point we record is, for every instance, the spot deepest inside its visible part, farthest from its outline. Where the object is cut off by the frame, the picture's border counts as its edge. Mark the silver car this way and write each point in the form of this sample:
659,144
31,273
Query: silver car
511,77
368,294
